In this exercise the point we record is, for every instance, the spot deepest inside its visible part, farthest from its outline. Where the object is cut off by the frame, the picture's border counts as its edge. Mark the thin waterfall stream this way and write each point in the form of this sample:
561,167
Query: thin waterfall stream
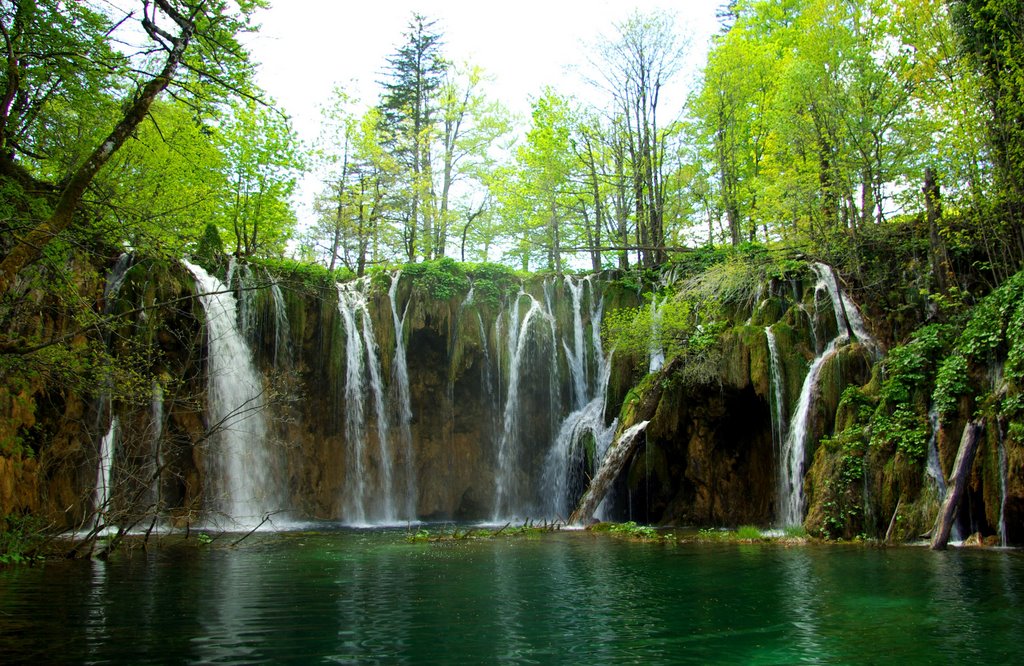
791,468
400,378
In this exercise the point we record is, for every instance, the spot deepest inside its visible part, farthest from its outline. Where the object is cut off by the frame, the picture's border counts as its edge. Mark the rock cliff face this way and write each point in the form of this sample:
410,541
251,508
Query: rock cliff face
390,401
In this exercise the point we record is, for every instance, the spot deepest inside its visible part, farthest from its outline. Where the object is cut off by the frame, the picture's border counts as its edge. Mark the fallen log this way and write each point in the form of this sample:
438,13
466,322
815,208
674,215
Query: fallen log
614,460
956,484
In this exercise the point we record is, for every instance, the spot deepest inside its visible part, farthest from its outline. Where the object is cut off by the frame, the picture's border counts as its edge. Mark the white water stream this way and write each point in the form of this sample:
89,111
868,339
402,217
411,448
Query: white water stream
241,485
791,468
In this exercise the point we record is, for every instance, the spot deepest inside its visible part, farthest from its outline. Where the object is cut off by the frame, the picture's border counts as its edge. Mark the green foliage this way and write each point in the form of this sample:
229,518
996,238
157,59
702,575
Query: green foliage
701,258
210,246
951,382
748,533
630,530
903,427
994,333
492,282
795,532
20,538
528,529
303,274
441,279
896,413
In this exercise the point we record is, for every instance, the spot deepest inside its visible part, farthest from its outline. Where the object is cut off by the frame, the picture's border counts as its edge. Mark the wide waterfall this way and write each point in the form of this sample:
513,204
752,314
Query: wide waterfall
241,484
510,491
584,435
370,489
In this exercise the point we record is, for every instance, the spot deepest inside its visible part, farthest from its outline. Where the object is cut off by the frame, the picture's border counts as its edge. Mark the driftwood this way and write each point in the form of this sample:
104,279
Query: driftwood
956,484
892,522
614,460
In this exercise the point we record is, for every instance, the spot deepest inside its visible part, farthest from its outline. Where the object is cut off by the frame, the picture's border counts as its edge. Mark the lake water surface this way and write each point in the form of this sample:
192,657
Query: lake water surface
370,596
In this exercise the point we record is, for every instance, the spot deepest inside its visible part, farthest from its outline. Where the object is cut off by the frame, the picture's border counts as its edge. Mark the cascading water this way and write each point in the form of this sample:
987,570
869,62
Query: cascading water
576,356
656,353
282,329
508,492
778,406
846,312
104,474
369,479
791,469
934,467
107,443
585,426
400,379
1003,473
240,464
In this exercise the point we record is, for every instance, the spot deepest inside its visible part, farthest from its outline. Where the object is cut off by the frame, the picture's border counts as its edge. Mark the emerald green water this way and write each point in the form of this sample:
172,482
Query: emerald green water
371,597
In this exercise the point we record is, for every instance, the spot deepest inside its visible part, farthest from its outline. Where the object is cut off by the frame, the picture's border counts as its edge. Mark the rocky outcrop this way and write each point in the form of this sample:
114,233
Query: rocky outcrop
710,455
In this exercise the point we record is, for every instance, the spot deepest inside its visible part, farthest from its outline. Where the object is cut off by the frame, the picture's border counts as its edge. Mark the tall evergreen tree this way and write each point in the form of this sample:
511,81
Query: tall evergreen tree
409,103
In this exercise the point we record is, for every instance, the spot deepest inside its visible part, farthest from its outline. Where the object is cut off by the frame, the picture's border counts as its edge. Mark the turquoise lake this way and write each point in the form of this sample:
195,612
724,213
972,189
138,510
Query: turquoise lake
371,596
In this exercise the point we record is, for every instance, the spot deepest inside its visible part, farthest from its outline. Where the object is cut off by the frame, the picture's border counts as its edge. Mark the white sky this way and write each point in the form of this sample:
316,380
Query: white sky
306,47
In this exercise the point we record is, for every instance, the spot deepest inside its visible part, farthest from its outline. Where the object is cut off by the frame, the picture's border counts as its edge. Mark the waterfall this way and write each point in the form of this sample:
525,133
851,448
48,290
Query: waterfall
114,281
156,457
368,497
577,356
1002,485
102,492
657,350
791,469
400,378
847,315
282,330
934,466
507,492
791,480
239,461
104,476
566,456
778,406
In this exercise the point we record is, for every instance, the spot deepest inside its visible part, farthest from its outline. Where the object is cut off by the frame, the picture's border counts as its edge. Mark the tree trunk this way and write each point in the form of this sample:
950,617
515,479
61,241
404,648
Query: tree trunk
29,248
616,458
957,482
933,212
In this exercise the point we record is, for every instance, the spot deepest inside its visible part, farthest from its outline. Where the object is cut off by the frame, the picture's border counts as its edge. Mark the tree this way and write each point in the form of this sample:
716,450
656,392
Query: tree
537,201
408,106
161,189
358,173
470,125
636,66
191,35
991,31
261,160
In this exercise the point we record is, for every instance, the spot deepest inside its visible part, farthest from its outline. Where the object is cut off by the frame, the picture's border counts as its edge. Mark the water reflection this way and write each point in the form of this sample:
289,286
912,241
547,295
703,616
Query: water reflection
567,598
802,594
96,634
949,603
230,614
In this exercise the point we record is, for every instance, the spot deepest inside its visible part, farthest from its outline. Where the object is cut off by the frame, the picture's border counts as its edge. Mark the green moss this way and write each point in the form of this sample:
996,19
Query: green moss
441,280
